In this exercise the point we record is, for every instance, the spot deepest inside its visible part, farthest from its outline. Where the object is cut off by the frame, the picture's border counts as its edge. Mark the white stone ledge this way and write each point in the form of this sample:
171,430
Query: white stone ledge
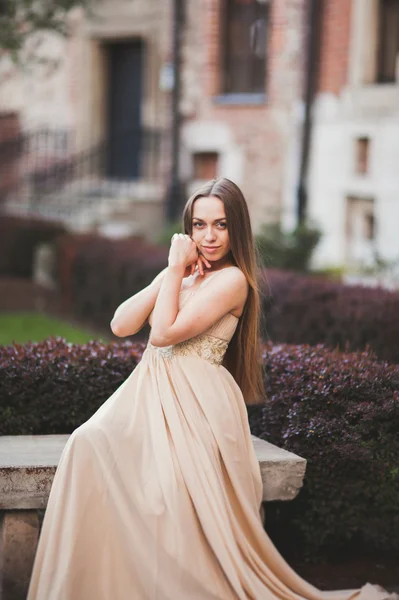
282,472
28,464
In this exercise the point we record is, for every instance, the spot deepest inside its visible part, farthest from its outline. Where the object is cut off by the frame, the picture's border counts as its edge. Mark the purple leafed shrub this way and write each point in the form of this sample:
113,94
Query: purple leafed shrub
54,386
300,309
97,273
340,411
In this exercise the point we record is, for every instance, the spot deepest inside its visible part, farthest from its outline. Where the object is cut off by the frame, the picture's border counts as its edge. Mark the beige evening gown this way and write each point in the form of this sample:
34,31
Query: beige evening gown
157,495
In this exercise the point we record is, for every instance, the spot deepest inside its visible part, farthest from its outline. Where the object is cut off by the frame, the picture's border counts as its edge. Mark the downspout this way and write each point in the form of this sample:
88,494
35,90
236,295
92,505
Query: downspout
174,192
314,11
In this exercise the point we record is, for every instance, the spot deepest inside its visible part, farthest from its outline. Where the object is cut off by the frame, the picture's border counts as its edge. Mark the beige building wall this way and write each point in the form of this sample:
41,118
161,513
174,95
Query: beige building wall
39,89
66,87
354,177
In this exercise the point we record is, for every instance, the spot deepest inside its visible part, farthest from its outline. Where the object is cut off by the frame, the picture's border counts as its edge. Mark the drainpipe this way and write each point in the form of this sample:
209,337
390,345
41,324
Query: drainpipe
175,192
314,11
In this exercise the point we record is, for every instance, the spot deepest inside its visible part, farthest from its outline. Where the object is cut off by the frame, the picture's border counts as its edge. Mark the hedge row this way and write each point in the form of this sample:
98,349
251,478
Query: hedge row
19,237
96,274
338,410
54,386
301,309
341,412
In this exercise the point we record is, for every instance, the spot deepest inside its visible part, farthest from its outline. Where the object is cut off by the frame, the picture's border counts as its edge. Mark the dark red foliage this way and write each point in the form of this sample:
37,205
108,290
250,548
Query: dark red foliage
301,309
19,237
340,411
54,386
97,273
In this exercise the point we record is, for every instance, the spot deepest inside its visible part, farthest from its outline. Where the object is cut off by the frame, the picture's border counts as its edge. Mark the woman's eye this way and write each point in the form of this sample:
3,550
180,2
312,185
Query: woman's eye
220,225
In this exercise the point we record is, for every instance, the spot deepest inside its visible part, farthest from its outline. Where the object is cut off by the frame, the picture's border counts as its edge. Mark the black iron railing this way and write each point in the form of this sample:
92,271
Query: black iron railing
38,165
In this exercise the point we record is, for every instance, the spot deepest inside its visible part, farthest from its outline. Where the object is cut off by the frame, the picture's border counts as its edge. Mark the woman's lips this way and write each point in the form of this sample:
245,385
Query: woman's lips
211,248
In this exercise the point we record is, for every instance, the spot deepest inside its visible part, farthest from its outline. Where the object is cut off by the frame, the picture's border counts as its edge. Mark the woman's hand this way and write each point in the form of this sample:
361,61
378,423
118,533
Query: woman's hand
184,252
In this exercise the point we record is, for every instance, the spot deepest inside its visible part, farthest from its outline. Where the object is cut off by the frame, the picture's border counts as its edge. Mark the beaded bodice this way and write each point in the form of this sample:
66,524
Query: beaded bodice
206,346
211,345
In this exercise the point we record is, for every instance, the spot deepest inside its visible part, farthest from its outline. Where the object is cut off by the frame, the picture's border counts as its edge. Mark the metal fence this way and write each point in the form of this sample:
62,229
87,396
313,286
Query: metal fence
42,167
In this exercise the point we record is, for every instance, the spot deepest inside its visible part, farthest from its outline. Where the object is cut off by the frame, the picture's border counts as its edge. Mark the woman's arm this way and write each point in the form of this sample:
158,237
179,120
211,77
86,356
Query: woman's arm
131,315
226,292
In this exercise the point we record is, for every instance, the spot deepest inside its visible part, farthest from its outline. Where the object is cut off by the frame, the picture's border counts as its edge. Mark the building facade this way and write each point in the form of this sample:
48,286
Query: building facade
243,75
242,80
99,91
354,169
245,108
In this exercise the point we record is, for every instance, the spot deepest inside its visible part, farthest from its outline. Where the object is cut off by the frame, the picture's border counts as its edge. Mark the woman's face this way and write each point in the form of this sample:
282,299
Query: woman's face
209,228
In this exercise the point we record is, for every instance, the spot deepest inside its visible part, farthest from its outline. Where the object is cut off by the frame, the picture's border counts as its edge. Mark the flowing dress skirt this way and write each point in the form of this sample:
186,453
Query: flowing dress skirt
157,497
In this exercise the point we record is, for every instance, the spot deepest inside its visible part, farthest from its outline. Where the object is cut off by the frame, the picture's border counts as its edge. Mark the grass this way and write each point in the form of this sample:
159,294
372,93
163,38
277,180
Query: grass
35,327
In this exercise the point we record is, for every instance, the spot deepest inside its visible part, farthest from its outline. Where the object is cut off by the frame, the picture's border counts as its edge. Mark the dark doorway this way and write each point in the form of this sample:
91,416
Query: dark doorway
125,61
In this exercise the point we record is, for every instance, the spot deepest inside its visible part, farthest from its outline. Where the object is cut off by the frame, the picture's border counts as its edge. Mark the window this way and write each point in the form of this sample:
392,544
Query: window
360,230
388,41
205,165
244,46
362,155
369,226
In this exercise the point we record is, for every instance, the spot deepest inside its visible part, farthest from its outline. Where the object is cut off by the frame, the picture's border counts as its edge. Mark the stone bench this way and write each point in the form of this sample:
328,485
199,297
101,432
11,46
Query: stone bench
27,467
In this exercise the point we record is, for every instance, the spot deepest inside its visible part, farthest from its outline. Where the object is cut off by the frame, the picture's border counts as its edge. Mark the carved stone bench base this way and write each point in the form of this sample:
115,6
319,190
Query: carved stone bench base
19,534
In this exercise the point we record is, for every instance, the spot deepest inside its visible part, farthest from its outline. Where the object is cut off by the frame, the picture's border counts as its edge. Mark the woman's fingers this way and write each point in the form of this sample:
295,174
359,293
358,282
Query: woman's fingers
204,262
201,263
200,266
181,236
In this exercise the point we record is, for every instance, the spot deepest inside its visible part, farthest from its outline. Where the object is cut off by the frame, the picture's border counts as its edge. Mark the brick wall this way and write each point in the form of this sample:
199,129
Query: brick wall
263,132
334,48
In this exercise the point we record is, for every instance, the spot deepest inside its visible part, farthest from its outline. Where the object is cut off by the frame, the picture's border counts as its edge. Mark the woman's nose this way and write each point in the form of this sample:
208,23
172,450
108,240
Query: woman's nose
210,235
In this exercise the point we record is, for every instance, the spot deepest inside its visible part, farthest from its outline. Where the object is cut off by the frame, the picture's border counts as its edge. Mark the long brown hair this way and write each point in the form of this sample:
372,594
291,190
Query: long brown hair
242,358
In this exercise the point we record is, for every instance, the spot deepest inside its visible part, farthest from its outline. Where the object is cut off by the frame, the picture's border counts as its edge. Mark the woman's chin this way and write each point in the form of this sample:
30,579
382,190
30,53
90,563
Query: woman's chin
217,259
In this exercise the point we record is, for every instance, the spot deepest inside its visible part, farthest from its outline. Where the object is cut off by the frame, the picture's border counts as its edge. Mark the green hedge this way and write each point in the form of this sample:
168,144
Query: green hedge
338,410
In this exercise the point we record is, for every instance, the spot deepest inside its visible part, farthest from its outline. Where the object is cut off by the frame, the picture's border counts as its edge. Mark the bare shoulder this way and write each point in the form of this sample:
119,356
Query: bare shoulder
233,281
232,287
235,276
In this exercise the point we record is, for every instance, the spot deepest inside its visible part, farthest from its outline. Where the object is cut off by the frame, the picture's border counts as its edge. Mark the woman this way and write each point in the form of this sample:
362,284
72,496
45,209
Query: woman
157,495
